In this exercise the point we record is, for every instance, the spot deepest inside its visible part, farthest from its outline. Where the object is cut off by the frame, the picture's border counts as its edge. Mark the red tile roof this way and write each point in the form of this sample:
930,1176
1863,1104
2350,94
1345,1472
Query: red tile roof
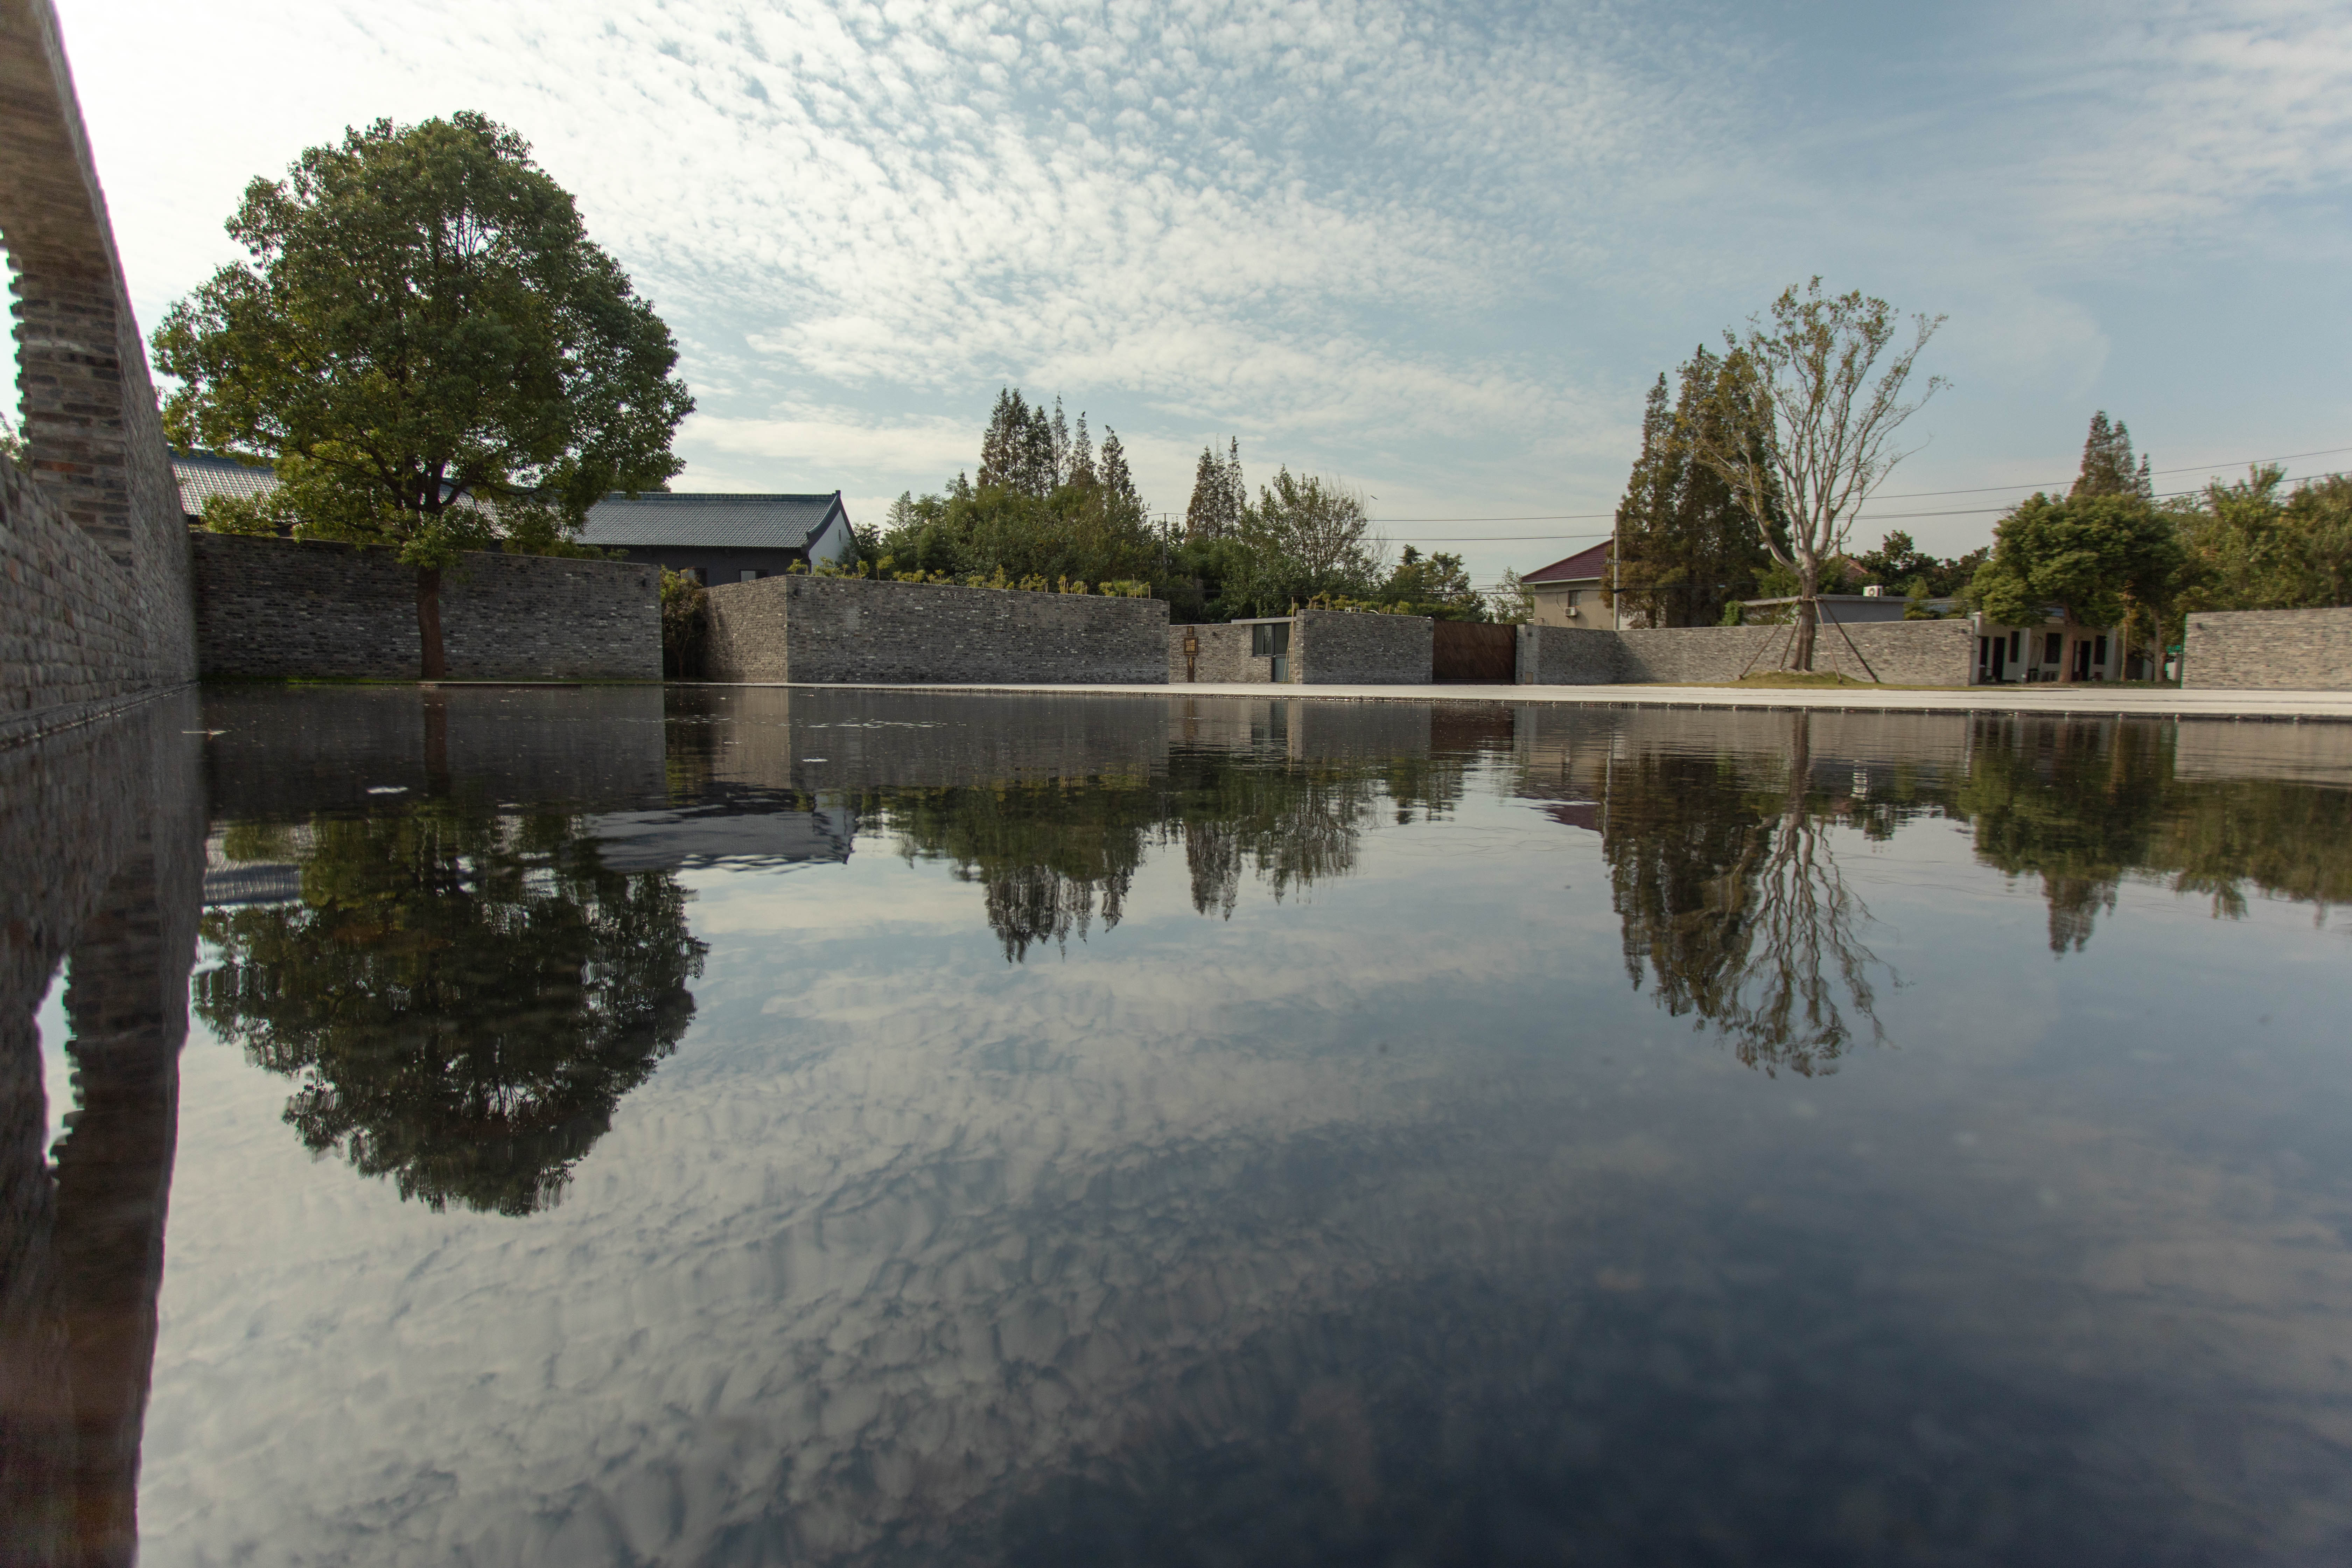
1585,565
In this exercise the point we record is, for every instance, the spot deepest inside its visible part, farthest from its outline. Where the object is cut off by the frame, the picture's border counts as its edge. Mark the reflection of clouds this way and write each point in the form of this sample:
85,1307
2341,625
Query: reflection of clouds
904,1237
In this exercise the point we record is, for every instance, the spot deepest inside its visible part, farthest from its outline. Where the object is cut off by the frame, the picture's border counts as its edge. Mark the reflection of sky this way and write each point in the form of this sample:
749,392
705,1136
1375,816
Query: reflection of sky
56,1074
904,1232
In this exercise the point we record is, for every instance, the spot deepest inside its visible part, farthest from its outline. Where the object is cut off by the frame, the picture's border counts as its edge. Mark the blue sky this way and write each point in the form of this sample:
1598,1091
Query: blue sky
1436,251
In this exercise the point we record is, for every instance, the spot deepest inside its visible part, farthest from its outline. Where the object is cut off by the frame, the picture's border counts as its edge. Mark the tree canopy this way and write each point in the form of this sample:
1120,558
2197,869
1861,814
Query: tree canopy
1686,546
2096,556
428,347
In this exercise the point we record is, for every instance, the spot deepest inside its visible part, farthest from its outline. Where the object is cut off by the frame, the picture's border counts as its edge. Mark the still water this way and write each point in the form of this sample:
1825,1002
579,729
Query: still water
750,1126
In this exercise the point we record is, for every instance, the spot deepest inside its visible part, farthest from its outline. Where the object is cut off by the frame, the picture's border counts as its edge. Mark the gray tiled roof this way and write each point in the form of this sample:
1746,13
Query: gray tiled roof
203,475
719,521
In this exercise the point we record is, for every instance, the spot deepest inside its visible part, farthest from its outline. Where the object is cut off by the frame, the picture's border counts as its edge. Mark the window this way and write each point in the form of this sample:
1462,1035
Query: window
2054,648
2099,645
2014,654
699,574
1575,597
1269,638
746,575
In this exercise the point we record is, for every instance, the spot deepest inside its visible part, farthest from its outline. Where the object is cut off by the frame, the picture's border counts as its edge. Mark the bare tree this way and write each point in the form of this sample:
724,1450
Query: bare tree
1806,374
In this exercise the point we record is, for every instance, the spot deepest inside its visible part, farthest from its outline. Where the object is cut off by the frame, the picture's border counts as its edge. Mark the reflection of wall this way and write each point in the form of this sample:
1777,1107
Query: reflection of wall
285,608
2309,753
2309,650
101,831
93,549
841,630
287,753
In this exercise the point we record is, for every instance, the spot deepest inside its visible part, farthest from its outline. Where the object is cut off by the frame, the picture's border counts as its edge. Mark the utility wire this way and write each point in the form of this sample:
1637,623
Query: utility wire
1905,495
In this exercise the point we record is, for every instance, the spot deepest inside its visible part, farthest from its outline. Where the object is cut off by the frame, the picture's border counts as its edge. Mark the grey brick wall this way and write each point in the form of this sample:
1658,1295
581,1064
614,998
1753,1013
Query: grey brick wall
1900,653
1224,655
95,607
829,630
1336,648
1570,655
2295,650
279,607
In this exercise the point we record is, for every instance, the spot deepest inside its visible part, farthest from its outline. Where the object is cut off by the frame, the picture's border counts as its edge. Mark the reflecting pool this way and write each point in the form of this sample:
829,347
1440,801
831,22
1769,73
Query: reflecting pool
747,1126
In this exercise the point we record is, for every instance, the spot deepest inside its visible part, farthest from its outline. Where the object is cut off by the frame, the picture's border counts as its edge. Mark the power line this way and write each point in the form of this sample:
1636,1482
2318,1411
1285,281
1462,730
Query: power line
1906,495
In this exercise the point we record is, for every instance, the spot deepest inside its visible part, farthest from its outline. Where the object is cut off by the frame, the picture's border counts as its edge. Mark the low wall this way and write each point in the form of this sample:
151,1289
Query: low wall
2249,650
1900,653
1570,655
1341,647
1224,655
840,630
281,607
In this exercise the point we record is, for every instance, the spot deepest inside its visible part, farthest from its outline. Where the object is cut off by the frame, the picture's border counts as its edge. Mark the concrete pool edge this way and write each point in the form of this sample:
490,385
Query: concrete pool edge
2054,701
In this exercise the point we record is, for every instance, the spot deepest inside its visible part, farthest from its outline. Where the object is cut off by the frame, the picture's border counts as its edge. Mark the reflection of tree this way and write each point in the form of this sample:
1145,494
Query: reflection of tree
462,998
2075,803
1730,896
2290,840
1051,855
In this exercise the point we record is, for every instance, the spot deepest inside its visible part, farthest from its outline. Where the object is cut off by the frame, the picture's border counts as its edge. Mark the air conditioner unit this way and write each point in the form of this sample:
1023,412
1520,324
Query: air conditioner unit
1876,591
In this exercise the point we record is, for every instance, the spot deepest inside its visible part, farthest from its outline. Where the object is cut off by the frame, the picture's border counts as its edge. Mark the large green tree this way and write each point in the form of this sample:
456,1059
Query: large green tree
430,348
2103,558
2253,545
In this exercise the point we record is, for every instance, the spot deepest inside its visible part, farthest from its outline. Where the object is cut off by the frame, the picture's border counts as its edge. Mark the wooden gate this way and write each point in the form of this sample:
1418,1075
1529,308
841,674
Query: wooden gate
1466,650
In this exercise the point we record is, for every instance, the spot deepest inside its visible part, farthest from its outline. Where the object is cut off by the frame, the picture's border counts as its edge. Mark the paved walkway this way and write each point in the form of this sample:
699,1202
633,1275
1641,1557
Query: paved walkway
2102,701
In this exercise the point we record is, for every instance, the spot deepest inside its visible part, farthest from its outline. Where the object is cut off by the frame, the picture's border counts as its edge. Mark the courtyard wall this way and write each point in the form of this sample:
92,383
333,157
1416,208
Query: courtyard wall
94,605
1900,652
1343,647
274,609
851,630
2295,650
1224,655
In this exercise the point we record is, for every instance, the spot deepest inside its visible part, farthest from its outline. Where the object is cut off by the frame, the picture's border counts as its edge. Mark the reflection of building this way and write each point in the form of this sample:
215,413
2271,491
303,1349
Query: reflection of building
712,833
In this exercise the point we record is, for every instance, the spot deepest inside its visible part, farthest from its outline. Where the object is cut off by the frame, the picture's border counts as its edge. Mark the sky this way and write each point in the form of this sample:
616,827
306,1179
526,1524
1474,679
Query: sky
1436,252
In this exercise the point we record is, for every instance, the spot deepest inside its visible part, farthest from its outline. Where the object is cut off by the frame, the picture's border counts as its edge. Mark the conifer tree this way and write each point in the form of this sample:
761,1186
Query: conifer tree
2107,468
1686,547
1218,498
1082,458
1061,434
1004,445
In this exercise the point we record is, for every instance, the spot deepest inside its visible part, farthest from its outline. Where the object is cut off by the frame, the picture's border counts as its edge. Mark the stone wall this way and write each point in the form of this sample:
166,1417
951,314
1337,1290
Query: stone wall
279,607
1570,655
2248,650
1337,648
93,550
846,630
1224,657
1900,653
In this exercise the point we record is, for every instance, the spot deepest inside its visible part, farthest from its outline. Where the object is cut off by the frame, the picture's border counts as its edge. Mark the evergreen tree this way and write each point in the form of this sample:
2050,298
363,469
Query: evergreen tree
1686,546
1005,445
1082,458
2107,468
1218,496
1120,498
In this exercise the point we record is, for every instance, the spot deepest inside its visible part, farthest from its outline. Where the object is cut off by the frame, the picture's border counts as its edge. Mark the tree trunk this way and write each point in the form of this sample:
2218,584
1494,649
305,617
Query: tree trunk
436,663
1808,578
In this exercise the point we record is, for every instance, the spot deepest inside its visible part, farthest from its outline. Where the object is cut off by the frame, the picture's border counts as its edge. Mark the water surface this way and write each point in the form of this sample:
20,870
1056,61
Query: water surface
750,1126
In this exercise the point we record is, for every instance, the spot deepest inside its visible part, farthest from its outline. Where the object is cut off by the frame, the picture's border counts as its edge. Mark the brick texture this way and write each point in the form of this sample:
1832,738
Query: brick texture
1336,648
2253,651
834,630
1570,655
279,607
93,546
1900,653
1224,657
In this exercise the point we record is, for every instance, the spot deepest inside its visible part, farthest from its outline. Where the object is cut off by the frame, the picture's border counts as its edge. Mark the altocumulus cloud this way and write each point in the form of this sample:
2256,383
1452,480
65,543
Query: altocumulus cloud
1437,248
